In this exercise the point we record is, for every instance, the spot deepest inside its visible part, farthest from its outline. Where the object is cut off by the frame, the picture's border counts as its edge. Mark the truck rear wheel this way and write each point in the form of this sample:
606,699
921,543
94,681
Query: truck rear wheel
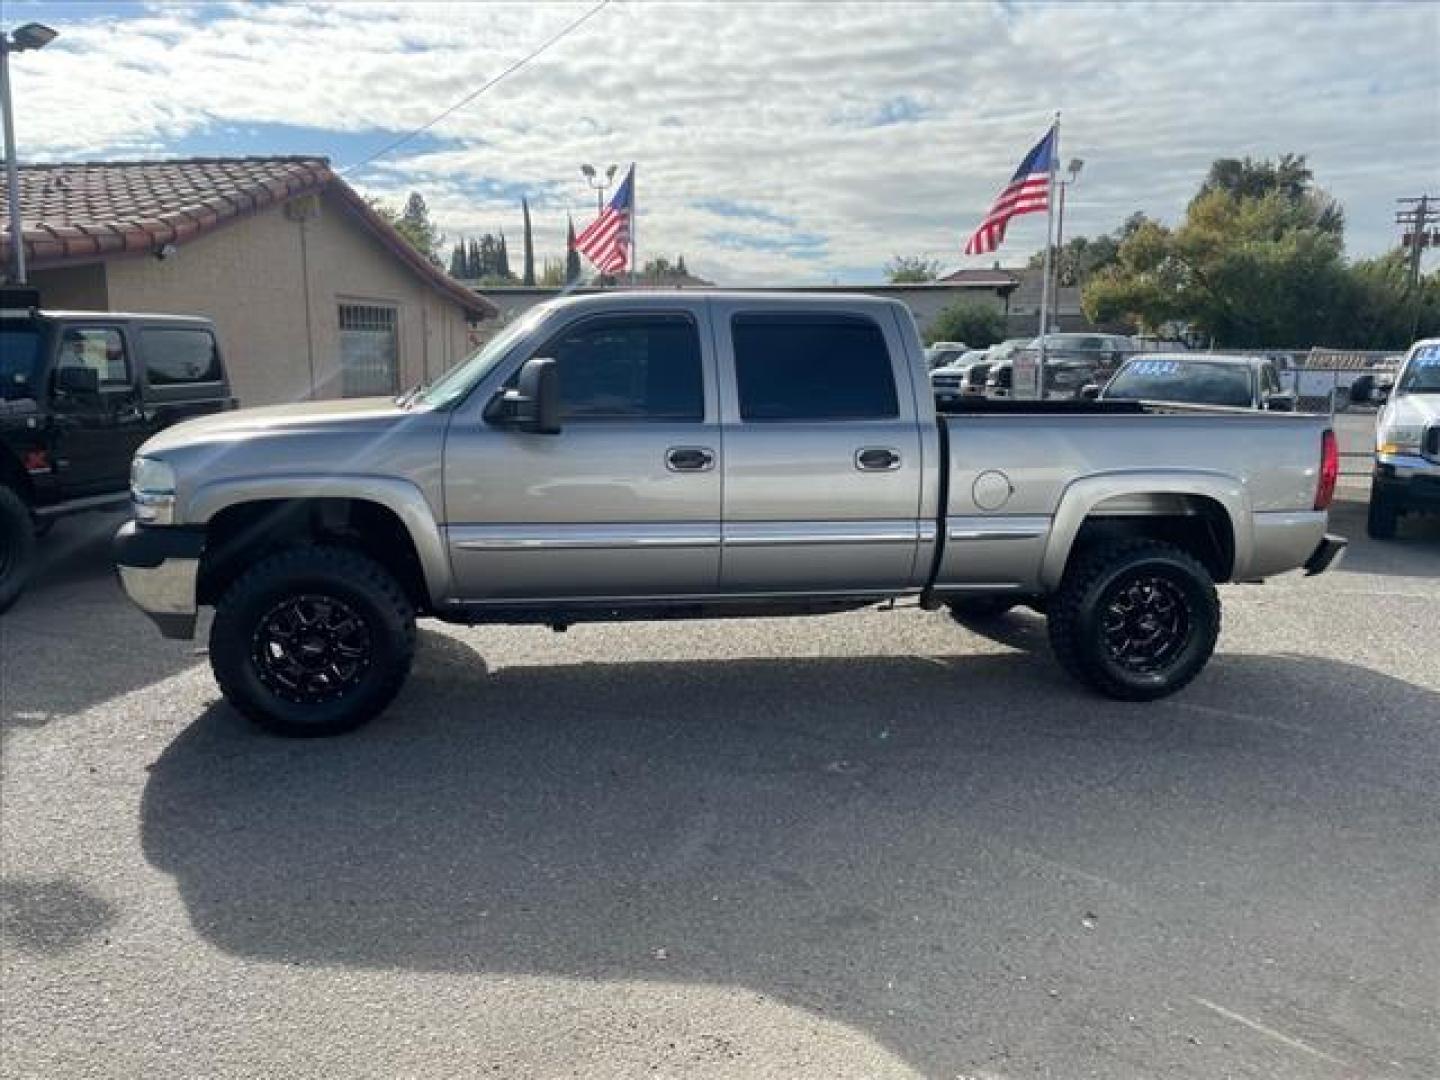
17,546
1381,522
1135,620
313,641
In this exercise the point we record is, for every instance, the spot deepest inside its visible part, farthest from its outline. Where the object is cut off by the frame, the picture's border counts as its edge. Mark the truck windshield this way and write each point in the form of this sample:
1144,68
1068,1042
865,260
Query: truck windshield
20,352
1422,373
456,383
1195,382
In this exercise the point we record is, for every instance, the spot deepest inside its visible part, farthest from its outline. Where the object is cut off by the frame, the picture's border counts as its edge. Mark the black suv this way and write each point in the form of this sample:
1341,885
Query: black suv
79,392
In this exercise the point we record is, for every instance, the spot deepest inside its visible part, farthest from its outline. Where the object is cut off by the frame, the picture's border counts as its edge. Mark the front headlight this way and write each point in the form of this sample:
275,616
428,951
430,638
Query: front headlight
1400,440
152,491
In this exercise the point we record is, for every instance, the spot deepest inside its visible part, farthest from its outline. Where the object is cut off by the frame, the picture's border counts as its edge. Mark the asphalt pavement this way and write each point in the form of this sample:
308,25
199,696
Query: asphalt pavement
866,845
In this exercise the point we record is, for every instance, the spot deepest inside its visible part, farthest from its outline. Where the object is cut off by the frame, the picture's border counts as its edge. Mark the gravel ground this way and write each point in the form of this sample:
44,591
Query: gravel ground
867,845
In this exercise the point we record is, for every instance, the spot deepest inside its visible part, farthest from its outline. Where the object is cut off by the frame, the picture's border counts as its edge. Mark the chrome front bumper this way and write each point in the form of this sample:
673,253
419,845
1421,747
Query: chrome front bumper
159,569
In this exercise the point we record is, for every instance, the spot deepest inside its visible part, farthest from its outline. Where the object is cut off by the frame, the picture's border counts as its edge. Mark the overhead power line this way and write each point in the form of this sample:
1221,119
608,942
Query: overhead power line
516,66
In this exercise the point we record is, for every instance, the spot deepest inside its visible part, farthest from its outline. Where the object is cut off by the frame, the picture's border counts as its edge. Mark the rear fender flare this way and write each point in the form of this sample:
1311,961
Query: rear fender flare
1084,495
400,497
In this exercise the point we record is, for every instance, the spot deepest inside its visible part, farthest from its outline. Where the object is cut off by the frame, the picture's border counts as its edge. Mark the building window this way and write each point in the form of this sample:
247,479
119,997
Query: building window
369,350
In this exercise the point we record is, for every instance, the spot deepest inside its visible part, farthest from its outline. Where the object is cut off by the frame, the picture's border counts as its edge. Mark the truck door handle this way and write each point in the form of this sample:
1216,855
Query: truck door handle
689,459
877,459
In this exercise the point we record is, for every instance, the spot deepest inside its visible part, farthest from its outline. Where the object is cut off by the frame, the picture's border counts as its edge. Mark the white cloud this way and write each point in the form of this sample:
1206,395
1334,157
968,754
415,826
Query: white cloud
779,107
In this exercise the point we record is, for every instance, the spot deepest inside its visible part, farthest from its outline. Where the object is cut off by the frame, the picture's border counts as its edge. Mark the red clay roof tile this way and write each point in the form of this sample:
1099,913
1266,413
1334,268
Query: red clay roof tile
75,212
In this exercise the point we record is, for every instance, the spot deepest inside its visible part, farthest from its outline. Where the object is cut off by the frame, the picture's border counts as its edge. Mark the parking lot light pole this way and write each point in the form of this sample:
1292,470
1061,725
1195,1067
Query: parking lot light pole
29,36
1076,164
598,184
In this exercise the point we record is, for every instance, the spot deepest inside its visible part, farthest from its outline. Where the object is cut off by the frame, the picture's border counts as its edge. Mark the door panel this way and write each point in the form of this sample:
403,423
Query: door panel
615,505
94,438
816,505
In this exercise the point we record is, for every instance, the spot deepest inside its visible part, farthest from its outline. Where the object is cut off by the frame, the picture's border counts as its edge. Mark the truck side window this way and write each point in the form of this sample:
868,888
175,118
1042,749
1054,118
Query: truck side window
630,367
96,347
812,367
176,357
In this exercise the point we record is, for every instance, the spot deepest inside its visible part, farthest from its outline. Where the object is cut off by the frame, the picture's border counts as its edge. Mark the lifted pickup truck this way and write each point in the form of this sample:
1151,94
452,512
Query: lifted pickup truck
649,455
79,392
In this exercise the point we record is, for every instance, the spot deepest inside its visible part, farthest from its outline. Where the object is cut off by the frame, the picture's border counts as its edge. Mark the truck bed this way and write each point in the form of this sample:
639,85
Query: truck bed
1023,476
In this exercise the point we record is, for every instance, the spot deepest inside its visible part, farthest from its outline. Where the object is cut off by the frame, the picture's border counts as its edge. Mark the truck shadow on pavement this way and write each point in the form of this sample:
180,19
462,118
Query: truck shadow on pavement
947,853
1415,551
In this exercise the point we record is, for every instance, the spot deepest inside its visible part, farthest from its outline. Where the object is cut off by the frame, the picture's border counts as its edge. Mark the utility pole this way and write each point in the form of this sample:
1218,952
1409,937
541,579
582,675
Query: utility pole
1416,217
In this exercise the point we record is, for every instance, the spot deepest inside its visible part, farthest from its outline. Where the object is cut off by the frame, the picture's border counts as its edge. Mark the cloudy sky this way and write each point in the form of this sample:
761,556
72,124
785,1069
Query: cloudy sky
776,143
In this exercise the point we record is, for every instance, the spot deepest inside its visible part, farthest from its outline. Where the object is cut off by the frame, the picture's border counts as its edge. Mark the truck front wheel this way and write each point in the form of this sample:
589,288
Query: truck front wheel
17,546
1135,620
312,641
1380,523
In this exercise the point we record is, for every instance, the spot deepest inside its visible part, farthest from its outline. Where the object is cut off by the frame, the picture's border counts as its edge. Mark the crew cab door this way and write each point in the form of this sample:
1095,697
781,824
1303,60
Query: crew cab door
822,461
624,501
92,437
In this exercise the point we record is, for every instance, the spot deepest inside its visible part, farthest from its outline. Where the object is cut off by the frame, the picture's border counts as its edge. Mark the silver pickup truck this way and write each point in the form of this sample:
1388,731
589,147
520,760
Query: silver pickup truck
648,455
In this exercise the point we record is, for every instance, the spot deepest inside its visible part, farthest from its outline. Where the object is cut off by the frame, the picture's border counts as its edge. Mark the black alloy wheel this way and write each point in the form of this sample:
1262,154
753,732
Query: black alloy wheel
311,648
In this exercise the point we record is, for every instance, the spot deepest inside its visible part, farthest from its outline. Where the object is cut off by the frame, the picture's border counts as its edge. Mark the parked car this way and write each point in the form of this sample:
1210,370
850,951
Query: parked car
1074,360
972,385
574,469
79,392
999,380
948,381
1407,443
944,354
1239,382
977,376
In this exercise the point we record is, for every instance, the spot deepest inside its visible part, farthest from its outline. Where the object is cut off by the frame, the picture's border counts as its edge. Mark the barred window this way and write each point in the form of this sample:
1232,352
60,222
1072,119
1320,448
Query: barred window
369,350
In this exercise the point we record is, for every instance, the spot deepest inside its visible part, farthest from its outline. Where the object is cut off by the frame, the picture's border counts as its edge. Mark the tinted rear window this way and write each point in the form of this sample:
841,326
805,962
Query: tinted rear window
1195,382
179,357
812,367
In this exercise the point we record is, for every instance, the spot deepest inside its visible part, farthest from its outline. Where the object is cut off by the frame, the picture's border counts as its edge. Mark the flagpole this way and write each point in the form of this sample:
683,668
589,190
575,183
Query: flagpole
634,224
1049,236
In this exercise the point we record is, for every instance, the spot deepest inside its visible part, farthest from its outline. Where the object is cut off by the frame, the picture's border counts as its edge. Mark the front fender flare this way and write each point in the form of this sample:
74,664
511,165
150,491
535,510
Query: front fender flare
1083,495
400,497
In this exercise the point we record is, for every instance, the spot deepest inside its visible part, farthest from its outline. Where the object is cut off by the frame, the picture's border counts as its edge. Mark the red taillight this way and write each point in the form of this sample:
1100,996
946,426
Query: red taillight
1329,471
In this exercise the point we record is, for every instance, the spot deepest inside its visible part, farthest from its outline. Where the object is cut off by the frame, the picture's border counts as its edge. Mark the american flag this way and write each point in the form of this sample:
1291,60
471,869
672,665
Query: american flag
1027,193
606,240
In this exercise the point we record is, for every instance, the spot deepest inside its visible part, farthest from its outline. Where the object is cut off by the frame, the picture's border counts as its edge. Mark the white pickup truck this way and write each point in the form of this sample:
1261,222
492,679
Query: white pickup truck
648,455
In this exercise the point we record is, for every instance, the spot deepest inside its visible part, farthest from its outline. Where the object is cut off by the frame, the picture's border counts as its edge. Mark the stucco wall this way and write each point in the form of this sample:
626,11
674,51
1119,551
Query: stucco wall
254,277
80,288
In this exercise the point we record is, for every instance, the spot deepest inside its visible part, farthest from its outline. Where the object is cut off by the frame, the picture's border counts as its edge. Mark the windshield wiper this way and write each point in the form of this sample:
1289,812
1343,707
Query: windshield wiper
408,397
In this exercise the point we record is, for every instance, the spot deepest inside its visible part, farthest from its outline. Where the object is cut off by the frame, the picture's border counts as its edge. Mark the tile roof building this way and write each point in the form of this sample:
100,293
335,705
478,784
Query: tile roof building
314,294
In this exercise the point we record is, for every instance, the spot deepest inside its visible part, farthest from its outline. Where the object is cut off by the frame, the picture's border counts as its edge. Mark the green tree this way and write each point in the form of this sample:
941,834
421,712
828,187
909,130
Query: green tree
1081,257
1258,261
1384,312
552,274
572,257
458,263
1290,178
502,258
529,271
473,263
414,224
974,322
911,269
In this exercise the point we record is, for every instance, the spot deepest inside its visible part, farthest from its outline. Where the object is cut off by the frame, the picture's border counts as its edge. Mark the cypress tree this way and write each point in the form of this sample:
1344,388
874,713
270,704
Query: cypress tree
572,257
458,263
502,258
529,278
